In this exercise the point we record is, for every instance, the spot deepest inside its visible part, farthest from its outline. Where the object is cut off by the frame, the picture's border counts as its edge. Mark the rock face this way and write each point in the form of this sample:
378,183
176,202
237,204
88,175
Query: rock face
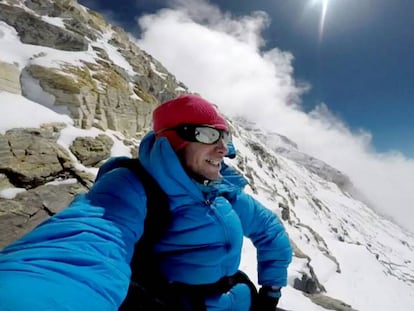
31,157
39,176
90,151
9,78
31,160
97,93
33,206
33,30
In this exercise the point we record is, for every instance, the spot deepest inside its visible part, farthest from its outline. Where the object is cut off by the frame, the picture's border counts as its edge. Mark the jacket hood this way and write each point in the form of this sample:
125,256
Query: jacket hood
231,154
161,161
109,165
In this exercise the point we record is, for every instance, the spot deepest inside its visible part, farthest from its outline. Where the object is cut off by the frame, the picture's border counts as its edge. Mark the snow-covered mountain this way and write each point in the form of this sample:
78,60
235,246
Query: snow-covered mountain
75,90
342,247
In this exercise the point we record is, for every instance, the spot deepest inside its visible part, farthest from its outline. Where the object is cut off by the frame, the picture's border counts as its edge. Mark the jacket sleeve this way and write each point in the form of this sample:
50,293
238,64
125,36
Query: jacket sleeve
90,243
263,227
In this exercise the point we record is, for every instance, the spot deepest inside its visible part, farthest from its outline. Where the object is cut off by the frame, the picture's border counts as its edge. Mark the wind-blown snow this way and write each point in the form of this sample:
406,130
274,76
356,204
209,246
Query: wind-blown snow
228,63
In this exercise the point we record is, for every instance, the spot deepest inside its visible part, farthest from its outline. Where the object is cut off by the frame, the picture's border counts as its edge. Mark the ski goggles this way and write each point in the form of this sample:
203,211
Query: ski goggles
201,133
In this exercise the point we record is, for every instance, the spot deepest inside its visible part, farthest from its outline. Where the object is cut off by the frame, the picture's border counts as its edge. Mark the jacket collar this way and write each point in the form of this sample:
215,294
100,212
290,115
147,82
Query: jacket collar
161,161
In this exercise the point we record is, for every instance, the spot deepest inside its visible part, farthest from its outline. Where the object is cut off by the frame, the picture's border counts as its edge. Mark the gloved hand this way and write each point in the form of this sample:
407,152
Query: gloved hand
268,298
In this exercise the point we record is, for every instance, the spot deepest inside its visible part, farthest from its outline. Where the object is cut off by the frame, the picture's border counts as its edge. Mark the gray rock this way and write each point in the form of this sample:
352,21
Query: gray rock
109,106
30,208
75,19
45,7
9,78
90,151
330,303
31,157
33,30
97,94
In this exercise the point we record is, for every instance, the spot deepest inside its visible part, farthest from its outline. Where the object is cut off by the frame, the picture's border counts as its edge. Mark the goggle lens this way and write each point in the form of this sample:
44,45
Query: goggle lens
202,134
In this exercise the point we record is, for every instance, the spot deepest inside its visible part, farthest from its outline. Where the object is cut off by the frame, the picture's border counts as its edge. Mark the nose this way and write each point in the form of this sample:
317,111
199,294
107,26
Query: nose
221,146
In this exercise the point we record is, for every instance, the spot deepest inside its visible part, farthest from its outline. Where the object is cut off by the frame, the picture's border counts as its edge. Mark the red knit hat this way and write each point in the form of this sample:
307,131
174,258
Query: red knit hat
186,109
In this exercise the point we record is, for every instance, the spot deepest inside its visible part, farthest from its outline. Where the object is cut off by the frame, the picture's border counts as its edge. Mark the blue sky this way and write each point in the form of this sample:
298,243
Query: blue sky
360,62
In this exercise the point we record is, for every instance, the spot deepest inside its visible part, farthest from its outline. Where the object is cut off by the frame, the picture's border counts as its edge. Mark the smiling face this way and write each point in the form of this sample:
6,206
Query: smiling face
204,160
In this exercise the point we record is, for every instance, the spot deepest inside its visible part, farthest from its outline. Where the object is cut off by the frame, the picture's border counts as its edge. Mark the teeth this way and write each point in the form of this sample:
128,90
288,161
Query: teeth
217,163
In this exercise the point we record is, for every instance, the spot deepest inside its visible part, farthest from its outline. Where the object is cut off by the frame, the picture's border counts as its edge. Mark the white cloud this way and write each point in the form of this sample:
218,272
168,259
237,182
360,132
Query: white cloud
222,58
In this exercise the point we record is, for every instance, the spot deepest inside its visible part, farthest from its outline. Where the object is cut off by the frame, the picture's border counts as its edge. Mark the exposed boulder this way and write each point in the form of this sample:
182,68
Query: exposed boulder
308,283
92,150
330,303
33,30
77,19
31,157
95,95
152,83
9,78
22,213
45,7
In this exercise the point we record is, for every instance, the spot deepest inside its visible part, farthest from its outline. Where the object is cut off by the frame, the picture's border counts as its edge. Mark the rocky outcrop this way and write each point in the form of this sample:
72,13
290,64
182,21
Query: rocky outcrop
33,30
330,303
101,98
90,151
38,176
308,283
42,171
9,78
152,79
77,19
29,208
97,93
31,157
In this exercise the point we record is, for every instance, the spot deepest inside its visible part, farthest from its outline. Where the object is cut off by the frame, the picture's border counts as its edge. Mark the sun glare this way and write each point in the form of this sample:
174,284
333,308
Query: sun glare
323,4
323,16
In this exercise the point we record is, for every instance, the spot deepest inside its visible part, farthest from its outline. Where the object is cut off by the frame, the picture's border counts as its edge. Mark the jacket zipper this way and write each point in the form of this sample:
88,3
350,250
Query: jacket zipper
223,226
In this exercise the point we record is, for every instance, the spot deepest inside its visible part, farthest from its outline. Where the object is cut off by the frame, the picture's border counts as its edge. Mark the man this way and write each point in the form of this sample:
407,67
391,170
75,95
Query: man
79,259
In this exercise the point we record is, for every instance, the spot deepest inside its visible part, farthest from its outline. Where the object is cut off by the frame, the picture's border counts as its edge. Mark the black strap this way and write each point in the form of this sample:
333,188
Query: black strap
158,211
195,295
148,289
148,285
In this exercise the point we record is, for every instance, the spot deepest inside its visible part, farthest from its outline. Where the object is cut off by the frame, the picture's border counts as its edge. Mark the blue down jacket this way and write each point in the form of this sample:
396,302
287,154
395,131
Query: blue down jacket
79,258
